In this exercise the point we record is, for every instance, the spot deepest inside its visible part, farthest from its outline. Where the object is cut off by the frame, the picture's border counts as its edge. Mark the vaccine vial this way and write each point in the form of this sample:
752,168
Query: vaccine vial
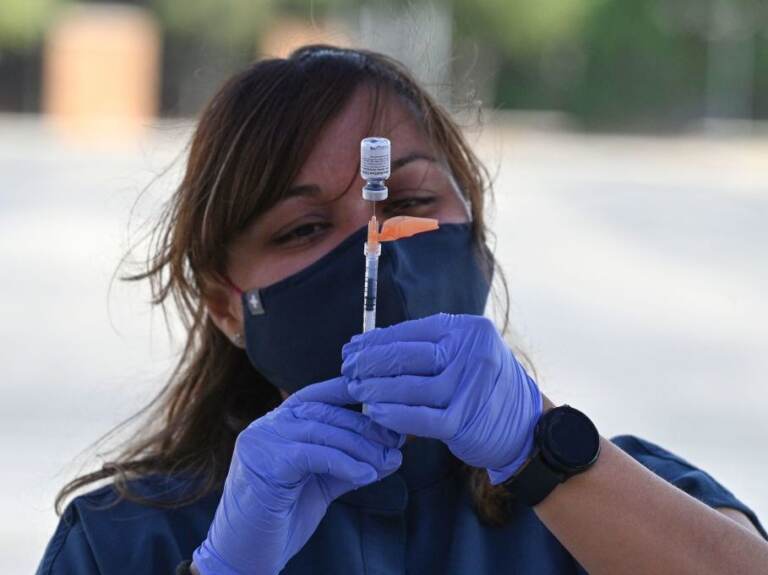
374,167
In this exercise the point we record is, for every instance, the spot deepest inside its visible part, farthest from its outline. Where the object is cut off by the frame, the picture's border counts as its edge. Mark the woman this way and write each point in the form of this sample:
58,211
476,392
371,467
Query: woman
255,462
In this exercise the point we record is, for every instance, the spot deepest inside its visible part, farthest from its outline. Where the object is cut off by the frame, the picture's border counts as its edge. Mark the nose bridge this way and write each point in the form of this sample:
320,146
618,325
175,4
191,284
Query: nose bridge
354,212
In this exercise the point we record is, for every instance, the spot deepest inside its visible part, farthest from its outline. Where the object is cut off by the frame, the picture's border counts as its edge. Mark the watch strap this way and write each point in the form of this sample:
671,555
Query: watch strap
534,481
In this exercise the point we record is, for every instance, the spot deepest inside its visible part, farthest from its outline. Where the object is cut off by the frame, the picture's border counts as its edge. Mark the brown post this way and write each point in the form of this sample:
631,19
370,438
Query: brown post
101,71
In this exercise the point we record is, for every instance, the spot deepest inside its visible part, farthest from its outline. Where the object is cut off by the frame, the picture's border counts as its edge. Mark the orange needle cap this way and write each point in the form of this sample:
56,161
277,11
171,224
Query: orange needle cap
405,226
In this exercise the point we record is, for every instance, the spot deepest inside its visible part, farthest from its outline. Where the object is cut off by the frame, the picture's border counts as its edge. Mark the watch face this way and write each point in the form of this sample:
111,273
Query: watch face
571,438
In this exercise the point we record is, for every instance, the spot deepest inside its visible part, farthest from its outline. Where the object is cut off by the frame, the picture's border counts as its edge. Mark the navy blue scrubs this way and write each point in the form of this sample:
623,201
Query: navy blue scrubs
417,520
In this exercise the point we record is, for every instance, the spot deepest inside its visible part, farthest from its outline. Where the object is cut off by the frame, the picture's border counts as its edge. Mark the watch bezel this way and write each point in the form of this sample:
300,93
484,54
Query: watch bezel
549,455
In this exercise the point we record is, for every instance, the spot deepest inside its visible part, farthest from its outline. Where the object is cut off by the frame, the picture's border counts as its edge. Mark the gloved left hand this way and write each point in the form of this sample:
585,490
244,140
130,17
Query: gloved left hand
450,377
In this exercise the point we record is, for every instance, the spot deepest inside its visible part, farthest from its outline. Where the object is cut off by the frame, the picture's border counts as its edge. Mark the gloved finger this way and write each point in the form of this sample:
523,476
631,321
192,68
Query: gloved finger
350,420
332,391
404,389
325,460
351,443
411,419
431,328
400,358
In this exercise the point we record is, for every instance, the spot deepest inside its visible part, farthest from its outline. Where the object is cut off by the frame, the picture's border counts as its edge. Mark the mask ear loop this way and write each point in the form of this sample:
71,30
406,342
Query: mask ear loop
232,284
237,338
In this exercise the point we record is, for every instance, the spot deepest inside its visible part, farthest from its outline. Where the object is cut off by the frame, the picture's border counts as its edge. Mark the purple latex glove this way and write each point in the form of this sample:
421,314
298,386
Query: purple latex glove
287,467
450,377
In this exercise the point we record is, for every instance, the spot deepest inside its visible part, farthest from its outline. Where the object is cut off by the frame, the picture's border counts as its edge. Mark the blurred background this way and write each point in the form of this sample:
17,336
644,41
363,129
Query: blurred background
629,144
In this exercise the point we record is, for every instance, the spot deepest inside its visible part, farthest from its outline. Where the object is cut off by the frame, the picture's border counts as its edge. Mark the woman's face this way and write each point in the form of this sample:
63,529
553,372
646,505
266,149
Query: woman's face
328,206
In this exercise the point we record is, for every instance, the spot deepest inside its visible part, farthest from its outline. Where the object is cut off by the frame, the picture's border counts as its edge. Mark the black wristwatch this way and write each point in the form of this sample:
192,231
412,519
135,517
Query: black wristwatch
566,442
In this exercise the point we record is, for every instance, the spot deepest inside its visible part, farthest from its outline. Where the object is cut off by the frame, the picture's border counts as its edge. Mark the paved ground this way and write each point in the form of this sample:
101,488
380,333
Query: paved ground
637,267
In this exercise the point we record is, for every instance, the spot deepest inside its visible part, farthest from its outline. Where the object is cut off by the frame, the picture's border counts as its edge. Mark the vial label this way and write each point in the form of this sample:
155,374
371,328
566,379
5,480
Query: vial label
374,158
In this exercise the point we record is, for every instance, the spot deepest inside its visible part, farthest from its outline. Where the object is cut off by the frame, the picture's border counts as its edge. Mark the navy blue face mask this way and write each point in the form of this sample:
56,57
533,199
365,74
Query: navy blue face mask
295,328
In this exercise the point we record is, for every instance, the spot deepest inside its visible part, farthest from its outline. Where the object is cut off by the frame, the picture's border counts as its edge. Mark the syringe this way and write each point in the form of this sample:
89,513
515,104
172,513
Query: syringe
374,169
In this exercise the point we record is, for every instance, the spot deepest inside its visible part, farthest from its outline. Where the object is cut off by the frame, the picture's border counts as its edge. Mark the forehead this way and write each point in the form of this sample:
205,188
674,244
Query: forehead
336,154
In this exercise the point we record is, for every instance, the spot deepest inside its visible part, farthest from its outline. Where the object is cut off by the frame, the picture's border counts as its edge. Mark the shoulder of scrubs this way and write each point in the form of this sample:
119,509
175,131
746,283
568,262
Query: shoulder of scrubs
683,475
102,533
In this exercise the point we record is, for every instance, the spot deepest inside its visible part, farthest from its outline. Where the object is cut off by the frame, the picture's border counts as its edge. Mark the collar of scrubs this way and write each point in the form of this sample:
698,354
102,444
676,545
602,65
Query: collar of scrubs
425,462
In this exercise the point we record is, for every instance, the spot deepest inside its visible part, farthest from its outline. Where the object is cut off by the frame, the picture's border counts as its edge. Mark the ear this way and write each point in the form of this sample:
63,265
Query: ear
225,310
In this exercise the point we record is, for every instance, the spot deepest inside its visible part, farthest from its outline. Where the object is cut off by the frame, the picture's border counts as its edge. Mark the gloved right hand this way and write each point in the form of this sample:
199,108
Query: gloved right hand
287,467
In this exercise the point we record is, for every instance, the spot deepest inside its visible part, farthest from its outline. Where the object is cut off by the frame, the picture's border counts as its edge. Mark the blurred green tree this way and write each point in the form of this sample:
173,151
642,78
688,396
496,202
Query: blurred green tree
641,64
229,23
23,22
642,69
522,28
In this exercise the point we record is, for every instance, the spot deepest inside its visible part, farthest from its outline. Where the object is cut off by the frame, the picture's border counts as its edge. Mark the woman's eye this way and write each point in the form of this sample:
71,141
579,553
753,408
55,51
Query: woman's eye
407,203
300,232
303,232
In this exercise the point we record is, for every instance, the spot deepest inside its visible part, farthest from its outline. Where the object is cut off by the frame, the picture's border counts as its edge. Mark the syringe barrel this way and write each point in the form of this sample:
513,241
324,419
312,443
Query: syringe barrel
371,283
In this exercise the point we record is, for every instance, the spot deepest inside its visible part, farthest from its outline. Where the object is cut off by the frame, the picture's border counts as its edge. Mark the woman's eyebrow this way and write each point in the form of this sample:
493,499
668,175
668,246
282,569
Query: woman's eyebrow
408,158
314,189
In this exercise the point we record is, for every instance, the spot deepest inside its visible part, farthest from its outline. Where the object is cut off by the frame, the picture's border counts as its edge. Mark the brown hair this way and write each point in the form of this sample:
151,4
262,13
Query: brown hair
250,142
